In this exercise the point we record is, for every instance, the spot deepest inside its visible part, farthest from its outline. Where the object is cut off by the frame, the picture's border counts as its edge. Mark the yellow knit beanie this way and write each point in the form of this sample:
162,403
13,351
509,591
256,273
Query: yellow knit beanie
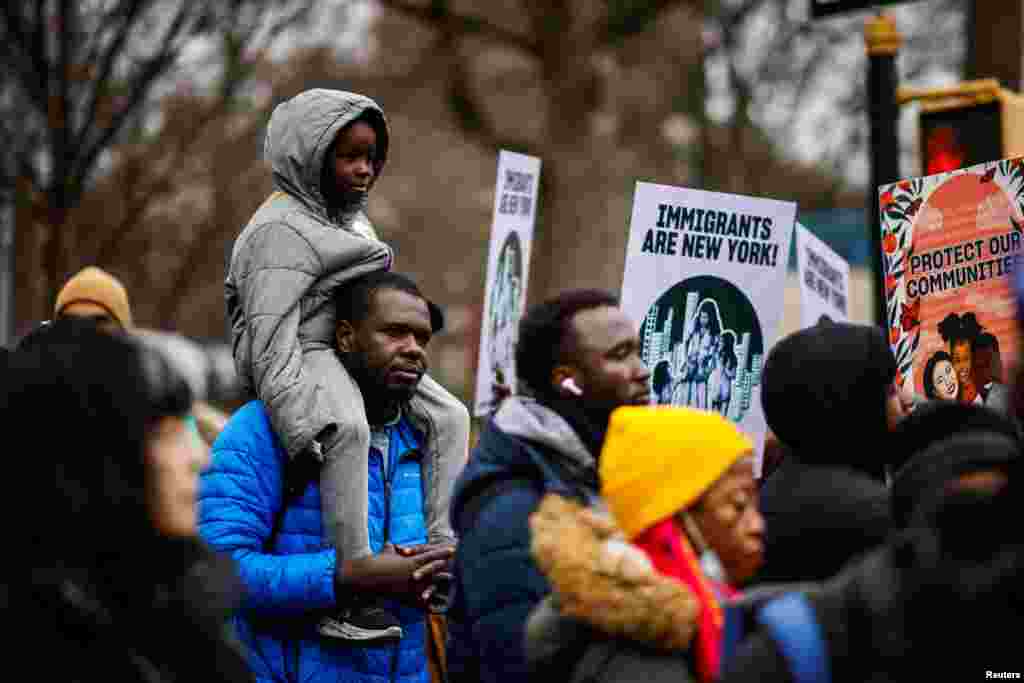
98,287
658,461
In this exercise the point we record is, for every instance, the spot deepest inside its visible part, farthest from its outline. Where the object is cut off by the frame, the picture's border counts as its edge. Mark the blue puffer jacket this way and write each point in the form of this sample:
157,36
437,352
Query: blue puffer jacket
290,584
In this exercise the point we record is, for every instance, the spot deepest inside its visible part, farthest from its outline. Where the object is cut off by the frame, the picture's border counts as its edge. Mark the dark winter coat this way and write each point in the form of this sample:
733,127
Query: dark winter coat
941,601
172,628
817,518
525,451
824,397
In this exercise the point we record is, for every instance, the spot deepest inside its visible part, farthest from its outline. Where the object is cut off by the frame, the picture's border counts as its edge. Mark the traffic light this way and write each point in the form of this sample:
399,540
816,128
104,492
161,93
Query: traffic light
966,124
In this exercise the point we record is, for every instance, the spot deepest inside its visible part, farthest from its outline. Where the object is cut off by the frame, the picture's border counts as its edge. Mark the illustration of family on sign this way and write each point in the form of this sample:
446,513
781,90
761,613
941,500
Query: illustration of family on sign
697,361
970,369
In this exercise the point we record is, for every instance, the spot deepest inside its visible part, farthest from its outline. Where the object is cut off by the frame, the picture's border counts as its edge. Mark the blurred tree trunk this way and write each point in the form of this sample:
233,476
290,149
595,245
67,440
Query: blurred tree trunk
567,44
566,39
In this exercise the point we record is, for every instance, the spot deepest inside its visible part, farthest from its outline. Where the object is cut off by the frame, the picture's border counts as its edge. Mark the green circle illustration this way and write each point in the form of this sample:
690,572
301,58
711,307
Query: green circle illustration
702,341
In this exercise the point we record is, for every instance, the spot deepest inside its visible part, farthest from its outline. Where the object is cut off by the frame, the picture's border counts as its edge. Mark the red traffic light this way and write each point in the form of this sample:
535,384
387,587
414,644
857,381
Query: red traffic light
961,136
942,151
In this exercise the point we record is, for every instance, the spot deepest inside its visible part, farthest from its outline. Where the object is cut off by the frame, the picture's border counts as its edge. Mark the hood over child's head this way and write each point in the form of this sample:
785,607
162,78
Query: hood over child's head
303,139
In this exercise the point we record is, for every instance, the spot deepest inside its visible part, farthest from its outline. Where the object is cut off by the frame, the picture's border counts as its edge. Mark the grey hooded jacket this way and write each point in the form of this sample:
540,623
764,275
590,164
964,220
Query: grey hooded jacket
285,264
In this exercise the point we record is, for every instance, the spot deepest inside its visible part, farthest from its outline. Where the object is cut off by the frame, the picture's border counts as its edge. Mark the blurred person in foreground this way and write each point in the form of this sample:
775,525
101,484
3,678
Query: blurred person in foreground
980,456
829,397
118,586
262,507
326,149
578,359
680,484
193,363
931,424
942,600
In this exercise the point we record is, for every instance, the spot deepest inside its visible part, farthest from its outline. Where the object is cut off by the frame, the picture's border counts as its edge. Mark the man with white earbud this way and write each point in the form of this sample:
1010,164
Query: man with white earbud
577,360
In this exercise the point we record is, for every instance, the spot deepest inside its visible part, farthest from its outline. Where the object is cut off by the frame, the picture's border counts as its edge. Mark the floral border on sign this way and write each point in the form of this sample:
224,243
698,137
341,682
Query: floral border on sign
900,204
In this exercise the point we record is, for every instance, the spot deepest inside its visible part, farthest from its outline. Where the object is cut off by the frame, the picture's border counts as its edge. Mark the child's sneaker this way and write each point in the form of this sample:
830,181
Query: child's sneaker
364,624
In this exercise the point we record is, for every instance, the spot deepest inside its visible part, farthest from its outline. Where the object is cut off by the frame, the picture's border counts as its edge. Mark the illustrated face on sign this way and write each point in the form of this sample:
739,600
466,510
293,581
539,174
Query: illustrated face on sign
983,366
962,359
704,319
944,379
988,366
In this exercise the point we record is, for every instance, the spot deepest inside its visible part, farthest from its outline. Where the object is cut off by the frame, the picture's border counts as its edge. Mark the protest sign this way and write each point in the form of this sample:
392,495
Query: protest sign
950,243
824,280
508,265
705,274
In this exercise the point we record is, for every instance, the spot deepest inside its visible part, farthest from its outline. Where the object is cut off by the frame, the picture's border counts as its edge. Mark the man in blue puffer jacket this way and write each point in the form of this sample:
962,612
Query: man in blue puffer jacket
248,510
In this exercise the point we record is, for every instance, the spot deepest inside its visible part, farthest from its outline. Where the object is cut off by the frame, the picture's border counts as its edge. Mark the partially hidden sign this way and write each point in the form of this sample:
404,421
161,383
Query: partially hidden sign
950,244
508,269
705,277
824,280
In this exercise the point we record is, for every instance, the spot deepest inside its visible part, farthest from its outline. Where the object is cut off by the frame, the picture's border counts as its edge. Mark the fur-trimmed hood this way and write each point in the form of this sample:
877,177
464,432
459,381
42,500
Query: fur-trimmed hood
602,582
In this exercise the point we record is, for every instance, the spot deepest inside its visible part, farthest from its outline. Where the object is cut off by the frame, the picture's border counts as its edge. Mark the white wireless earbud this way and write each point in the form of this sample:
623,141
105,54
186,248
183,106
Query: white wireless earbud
569,384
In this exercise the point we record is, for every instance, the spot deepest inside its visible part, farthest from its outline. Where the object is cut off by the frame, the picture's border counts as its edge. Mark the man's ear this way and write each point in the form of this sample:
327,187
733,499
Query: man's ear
565,381
345,336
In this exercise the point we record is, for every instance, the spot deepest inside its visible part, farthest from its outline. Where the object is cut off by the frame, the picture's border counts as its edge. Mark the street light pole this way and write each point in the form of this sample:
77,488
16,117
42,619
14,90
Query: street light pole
882,42
6,274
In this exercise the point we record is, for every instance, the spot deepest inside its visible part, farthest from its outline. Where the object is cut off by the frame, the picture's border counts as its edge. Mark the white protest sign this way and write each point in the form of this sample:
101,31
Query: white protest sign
705,276
508,267
824,280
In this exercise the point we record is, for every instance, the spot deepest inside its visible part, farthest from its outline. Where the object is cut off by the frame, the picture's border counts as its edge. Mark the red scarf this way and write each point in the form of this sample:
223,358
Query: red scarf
671,554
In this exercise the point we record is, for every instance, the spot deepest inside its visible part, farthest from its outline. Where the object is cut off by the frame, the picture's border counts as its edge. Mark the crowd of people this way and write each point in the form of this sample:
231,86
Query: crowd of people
337,527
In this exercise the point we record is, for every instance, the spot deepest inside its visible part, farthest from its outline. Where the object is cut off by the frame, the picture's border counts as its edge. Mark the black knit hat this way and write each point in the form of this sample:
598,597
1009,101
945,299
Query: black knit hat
925,475
823,382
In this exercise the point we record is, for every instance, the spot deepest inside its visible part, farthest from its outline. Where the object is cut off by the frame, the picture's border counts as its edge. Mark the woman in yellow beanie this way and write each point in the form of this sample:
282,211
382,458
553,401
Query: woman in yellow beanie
680,486
680,483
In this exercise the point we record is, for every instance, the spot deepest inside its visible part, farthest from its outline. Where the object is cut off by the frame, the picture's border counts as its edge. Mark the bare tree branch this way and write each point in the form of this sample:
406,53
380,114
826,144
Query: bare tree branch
15,22
298,15
39,44
471,118
151,69
466,25
130,13
637,21
62,148
139,201
185,273
31,68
